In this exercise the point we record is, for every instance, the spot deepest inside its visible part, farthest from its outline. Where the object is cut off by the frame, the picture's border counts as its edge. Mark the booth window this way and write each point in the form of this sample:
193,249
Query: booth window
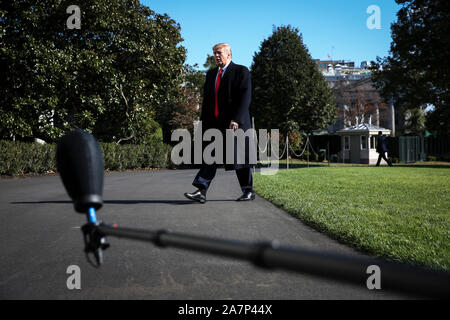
363,142
373,142
346,143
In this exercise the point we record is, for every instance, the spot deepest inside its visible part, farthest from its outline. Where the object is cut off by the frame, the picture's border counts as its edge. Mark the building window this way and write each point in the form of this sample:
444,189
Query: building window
346,143
373,142
363,142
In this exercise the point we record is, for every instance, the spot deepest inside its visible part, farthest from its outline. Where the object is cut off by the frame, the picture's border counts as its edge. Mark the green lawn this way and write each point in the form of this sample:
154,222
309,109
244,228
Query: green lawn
400,212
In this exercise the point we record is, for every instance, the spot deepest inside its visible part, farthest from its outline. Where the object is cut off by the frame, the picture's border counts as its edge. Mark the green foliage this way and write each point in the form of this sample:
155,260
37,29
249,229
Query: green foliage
21,157
24,158
194,79
210,62
129,156
118,72
415,73
187,111
149,132
438,119
289,93
334,158
393,159
311,156
296,142
415,122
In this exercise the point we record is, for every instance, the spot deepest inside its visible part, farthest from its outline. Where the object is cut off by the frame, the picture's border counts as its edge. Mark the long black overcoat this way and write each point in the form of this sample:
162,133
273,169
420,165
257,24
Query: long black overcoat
382,144
234,97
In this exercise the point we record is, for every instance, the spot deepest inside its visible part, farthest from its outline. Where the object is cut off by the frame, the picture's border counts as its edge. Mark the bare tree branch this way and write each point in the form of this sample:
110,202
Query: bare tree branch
133,133
128,138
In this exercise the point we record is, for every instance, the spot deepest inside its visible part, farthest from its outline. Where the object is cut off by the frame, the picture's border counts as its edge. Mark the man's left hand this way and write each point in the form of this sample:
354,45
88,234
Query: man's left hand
234,125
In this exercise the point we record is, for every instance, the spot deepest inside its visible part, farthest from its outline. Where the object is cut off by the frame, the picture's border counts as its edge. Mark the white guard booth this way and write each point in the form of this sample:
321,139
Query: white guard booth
359,143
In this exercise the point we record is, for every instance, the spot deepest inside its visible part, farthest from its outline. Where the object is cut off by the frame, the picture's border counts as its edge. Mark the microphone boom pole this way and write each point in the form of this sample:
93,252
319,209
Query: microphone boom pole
399,277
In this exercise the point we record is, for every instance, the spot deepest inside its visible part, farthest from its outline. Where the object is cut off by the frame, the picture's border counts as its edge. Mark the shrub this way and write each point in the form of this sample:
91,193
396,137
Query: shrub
24,158
314,157
393,159
129,156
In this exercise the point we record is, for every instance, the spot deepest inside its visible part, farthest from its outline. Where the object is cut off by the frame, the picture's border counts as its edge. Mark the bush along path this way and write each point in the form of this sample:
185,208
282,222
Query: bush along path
34,158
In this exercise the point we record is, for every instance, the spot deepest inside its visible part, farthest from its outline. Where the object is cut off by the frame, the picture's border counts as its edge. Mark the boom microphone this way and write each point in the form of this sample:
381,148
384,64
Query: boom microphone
80,163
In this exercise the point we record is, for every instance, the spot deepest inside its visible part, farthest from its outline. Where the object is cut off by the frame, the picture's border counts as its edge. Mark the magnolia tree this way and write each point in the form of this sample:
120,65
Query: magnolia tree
112,67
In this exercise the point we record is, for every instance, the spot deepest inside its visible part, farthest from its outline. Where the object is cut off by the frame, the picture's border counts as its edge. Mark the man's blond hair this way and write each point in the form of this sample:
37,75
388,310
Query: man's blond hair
223,45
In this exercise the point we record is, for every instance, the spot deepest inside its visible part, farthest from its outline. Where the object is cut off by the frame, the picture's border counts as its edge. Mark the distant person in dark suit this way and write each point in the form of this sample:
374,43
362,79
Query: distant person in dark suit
226,101
382,149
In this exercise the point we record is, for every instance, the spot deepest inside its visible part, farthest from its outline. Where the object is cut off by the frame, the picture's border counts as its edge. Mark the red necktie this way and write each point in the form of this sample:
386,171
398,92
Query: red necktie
219,77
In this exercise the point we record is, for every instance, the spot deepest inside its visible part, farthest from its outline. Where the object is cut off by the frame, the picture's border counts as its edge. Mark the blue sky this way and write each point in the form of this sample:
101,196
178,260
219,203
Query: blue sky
329,27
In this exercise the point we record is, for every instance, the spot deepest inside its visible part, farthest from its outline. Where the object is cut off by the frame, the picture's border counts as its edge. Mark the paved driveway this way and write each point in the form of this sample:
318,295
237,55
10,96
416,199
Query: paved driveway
40,238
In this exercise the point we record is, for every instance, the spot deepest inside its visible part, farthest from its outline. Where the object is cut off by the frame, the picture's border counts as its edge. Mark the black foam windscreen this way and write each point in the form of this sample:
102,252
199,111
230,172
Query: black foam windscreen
80,164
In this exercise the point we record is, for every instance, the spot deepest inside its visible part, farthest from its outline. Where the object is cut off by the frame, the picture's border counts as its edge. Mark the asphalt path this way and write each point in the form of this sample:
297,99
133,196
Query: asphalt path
40,238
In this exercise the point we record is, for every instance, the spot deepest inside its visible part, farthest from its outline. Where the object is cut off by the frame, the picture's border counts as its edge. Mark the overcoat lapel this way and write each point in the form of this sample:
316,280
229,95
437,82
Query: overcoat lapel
228,72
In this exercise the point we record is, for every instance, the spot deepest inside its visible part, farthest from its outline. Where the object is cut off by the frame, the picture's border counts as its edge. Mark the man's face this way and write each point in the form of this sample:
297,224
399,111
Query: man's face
221,56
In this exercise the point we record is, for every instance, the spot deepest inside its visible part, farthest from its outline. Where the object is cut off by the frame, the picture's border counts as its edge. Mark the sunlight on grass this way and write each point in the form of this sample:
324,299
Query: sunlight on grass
401,212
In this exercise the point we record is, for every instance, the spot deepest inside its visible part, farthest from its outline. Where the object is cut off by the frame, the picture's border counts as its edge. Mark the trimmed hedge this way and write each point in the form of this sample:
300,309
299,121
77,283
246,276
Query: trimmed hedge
22,157
128,156
25,158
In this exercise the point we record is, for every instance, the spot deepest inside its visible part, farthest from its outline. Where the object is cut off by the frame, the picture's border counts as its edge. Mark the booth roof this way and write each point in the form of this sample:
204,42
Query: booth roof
363,128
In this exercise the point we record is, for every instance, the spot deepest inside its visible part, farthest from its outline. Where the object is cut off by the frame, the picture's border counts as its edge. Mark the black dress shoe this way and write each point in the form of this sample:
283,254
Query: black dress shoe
247,196
196,196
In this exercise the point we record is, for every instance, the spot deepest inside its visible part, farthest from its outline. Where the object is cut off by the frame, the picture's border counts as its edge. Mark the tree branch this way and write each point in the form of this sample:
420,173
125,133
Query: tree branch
133,134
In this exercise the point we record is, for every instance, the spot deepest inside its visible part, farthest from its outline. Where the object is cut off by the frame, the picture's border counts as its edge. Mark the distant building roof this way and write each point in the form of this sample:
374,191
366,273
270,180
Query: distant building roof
363,128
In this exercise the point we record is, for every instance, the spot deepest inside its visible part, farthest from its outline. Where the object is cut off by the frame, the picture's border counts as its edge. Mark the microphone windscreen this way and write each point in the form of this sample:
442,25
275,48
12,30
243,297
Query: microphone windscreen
80,164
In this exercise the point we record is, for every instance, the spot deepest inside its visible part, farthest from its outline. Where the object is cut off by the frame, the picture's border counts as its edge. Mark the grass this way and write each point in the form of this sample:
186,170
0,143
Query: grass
295,163
401,213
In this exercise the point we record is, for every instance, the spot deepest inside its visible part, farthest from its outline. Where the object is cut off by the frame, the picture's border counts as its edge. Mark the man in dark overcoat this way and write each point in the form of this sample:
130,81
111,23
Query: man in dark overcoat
226,101
382,149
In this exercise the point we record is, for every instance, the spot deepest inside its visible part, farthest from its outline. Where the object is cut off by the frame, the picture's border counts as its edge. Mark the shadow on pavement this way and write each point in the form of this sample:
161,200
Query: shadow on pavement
173,202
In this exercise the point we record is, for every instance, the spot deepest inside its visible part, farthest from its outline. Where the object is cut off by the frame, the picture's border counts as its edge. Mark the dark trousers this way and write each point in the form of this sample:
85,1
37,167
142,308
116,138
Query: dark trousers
382,155
208,172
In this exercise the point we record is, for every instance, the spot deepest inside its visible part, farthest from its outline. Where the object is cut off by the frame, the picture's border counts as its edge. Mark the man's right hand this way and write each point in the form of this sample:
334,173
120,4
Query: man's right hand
234,125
